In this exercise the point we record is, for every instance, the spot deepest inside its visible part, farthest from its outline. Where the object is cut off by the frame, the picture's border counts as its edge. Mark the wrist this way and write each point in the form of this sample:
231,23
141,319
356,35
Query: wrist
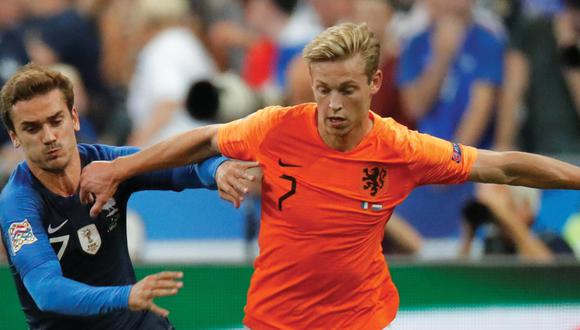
121,169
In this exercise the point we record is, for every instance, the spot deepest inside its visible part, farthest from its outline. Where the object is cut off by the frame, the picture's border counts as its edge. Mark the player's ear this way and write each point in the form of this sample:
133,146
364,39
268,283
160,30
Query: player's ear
376,81
75,118
14,139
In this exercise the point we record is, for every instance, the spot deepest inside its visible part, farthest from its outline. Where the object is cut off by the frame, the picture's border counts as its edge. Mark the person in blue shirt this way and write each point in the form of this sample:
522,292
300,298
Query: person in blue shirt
450,74
73,271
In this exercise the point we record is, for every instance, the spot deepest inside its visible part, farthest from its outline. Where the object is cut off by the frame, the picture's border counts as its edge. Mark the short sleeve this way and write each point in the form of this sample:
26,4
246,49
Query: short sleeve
23,231
437,161
241,139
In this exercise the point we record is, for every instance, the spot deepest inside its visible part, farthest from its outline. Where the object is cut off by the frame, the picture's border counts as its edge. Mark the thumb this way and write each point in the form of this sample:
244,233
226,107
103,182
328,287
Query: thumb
97,207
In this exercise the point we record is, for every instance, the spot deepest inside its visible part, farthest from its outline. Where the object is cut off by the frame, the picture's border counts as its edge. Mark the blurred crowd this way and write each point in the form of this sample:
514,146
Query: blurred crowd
496,74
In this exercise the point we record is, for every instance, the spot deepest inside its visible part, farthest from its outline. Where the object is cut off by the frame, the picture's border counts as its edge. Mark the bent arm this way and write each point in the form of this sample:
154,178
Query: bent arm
524,169
52,292
99,180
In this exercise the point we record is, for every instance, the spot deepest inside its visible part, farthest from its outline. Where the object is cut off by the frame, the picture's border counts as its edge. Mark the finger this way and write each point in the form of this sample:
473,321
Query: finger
167,284
168,275
163,293
158,310
97,207
228,197
84,195
239,190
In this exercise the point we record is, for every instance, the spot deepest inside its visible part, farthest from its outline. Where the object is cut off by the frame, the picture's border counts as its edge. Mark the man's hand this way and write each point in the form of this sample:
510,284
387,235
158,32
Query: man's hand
98,185
235,179
153,286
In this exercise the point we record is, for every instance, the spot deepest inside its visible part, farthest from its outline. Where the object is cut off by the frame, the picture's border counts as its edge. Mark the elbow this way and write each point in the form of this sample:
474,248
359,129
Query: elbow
47,303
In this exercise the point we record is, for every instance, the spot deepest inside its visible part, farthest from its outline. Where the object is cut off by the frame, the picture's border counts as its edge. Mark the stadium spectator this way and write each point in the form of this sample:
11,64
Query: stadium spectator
507,214
12,56
171,60
333,173
543,79
450,75
12,49
76,273
387,102
58,33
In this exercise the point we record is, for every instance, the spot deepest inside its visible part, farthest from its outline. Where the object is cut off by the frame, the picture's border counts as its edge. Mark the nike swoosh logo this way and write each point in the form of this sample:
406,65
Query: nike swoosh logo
282,164
54,230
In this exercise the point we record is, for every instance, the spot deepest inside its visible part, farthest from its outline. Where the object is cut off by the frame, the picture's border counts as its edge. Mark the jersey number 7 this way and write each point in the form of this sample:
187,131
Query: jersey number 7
289,193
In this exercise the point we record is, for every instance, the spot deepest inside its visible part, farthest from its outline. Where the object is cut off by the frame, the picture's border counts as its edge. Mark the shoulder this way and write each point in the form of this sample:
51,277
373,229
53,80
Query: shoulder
19,190
279,114
20,179
392,133
94,152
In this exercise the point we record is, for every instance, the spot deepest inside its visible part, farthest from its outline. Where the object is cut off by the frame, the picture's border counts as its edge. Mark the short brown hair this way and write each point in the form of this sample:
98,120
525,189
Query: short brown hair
30,81
344,41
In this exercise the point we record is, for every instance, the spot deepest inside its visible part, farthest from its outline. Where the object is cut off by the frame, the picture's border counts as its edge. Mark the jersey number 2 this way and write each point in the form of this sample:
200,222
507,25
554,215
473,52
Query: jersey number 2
289,193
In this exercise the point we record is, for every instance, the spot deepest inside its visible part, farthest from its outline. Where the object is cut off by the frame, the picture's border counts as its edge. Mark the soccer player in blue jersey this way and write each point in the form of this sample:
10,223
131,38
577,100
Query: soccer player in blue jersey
73,271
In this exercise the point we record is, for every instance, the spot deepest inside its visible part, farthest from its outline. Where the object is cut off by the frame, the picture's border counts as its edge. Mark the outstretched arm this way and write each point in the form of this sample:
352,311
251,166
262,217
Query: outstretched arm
100,180
524,169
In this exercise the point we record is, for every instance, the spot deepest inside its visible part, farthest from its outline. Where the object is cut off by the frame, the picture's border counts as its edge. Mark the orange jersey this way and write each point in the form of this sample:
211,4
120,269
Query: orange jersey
324,212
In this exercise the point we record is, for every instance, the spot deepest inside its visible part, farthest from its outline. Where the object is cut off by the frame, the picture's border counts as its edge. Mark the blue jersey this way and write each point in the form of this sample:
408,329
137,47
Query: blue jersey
479,59
40,227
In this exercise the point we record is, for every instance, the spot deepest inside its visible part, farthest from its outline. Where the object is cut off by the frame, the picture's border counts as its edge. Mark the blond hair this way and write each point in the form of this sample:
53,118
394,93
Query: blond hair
345,41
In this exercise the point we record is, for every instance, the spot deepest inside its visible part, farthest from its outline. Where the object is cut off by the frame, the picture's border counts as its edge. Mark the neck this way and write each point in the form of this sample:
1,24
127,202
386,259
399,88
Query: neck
63,183
349,141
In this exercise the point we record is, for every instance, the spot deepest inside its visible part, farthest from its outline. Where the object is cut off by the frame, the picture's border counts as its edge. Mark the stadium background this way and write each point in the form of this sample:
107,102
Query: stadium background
208,239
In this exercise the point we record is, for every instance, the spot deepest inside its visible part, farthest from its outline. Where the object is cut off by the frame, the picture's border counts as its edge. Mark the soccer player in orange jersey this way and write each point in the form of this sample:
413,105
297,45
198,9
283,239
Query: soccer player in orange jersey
333,172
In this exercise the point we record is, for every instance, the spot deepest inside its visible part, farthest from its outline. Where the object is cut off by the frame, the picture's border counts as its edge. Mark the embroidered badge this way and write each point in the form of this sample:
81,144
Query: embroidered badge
112,214
374,179
456,153
20,233
90,239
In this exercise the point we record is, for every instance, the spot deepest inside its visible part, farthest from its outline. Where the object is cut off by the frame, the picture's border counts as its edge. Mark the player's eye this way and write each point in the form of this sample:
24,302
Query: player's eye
347,90
56,122
323,90
31,129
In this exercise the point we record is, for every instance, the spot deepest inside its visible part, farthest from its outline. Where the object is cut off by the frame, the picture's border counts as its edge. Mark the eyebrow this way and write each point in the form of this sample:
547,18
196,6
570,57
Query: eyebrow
347,83
32,123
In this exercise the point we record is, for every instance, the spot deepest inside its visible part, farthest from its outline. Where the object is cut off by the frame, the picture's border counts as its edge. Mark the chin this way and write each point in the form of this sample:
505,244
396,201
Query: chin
55,166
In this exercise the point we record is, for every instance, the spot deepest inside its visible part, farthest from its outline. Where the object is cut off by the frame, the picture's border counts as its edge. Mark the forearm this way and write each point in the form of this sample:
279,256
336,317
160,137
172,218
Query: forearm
524,169
421,94
186,148
54,293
